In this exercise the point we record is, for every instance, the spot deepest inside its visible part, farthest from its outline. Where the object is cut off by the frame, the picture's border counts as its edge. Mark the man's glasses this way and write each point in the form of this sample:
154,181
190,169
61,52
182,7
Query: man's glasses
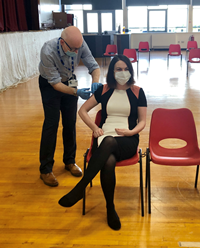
71,49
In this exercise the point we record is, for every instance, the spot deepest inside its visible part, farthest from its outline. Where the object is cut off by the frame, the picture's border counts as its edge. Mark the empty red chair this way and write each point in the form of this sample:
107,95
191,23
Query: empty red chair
191,44
194,57
132,55
169,124
174,50
111,50
144,48
137,158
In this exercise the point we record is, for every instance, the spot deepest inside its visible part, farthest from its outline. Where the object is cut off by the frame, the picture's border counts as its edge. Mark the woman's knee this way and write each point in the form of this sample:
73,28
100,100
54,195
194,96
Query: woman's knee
109,141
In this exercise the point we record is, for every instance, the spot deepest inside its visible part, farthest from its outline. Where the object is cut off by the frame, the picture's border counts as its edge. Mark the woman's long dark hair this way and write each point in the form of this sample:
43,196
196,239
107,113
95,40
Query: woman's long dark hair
110,79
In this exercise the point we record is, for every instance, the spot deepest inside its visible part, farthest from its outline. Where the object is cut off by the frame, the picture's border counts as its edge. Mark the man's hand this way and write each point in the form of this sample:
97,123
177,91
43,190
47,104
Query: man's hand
95,86
83,93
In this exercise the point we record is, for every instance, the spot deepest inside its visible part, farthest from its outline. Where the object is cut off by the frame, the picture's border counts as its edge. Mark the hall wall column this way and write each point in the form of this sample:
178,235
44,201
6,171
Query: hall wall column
125,14
190,17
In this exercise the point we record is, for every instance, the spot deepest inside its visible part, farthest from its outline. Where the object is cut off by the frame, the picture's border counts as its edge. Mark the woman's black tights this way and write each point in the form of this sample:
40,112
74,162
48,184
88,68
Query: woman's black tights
108,186
98,160
104,160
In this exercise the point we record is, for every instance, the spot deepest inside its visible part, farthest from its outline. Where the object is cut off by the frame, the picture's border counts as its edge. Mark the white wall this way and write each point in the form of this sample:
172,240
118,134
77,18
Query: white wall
163,40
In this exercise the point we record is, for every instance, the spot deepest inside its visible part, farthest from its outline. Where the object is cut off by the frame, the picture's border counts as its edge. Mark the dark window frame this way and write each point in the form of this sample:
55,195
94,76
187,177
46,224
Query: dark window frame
99,12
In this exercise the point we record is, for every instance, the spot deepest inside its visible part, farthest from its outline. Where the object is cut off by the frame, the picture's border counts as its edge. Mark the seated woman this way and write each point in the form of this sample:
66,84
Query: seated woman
123,117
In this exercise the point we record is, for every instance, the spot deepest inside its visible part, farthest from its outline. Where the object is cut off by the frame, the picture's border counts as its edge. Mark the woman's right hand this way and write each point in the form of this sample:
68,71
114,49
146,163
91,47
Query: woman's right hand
97,132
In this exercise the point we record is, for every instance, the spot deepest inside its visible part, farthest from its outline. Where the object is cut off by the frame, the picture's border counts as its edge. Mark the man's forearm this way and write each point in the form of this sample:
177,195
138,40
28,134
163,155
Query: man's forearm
64,88
95,75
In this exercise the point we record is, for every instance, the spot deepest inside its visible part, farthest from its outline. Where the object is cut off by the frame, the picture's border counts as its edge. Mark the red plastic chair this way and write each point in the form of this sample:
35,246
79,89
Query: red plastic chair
177,124
191,45
174,50
144,48
111,50
132,55
137,158
194,57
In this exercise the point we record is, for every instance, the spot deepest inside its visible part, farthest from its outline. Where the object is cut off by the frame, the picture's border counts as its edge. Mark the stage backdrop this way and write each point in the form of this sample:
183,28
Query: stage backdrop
19,15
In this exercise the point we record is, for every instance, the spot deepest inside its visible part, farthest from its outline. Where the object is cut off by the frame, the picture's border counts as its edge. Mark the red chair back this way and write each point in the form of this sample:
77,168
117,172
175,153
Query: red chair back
111,50
192,44
172,123
131,54
194,56
143,46
174,50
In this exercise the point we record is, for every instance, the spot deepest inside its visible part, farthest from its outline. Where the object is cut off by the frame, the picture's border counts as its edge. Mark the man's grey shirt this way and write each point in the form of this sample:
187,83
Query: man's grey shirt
51,67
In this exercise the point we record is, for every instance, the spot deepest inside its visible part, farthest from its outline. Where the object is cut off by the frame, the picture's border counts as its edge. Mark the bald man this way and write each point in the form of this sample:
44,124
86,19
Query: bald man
59,91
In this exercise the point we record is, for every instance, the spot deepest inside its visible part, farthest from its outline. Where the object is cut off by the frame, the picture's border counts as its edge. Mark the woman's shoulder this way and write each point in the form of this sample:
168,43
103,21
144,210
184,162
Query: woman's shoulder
136,90
105,88
101,90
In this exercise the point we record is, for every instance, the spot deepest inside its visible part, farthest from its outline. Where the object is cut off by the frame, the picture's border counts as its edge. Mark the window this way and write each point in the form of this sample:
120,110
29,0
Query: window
119,19
168,18
106,22
137,19
77,10
153,24
196,22
92,22
177,18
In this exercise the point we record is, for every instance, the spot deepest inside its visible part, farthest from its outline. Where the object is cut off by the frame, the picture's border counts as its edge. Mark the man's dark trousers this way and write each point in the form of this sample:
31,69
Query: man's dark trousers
54,103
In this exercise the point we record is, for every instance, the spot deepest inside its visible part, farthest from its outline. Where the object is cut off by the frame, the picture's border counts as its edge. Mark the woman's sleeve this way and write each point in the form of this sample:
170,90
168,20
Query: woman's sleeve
142,101
98,93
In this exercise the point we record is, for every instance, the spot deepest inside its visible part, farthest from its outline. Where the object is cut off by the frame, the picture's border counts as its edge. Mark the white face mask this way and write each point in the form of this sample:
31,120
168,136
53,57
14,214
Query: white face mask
122,77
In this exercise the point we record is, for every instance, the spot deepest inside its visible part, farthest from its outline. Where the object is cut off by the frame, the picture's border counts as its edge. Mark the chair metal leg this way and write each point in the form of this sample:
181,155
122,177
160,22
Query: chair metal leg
137,68
187,68
102,62
148,180
146,174
167,60
181,60
149,57
141,183
196,179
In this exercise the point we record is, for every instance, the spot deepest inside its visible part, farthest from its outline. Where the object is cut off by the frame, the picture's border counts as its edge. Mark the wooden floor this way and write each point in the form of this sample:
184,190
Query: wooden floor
30,216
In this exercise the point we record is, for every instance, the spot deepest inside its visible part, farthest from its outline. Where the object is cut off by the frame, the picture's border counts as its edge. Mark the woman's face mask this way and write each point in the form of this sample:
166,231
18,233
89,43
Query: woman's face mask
122,77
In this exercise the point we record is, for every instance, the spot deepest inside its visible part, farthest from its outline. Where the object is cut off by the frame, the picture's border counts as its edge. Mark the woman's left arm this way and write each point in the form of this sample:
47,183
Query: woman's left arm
142,111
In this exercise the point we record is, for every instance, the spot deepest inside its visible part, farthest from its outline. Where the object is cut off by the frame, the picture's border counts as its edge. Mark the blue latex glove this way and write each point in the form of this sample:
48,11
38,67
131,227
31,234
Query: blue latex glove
83,93
95,86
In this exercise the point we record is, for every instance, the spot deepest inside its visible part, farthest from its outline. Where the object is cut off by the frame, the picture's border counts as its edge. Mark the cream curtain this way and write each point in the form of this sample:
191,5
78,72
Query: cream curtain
20,55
